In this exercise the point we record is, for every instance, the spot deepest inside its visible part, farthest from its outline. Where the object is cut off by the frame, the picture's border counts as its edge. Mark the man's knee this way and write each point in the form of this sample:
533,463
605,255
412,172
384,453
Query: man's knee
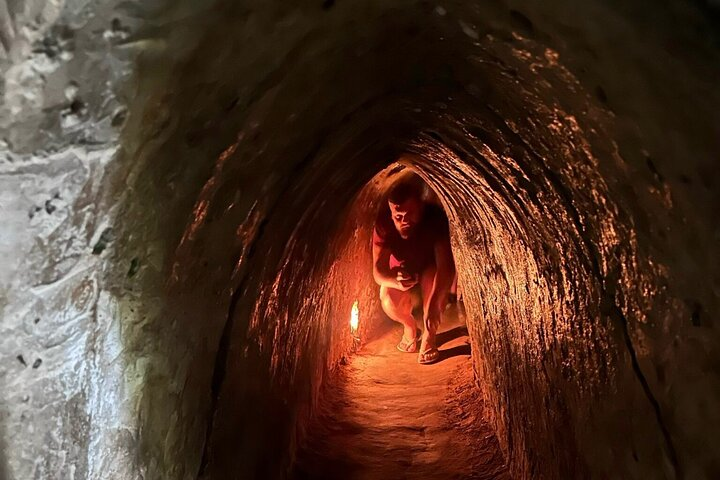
394,303
385,299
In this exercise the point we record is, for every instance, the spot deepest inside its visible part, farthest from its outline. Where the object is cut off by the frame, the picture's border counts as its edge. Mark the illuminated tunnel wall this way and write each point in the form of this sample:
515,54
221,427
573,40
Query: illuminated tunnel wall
224,235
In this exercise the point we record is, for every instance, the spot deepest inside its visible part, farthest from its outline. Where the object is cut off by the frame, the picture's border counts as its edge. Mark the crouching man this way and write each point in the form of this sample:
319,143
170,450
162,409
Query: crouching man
413,264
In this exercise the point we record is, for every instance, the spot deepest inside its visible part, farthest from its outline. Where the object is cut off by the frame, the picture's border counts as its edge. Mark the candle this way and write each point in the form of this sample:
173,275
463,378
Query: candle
354,317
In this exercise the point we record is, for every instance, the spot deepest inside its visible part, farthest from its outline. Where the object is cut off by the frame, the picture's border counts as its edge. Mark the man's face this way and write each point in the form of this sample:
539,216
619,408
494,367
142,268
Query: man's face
406,215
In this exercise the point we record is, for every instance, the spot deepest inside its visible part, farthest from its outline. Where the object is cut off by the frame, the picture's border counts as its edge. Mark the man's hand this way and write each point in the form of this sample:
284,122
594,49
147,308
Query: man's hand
405,281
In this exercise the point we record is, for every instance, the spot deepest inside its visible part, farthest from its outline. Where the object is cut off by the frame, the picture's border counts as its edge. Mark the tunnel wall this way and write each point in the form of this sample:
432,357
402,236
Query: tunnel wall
289,339
125,255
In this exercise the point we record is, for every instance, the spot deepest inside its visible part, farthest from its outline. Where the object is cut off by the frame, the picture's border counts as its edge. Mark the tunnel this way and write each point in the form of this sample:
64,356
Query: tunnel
188,192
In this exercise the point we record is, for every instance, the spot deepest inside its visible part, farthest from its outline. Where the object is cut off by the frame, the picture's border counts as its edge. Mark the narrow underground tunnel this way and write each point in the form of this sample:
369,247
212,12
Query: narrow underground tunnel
529,357
188,290
520,255
380,415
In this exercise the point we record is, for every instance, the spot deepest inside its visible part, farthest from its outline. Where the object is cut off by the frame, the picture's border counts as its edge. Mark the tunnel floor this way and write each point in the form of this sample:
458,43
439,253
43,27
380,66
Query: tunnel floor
384,416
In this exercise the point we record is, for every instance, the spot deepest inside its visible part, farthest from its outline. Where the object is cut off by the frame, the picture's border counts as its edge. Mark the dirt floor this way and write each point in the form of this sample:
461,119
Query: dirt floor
384,416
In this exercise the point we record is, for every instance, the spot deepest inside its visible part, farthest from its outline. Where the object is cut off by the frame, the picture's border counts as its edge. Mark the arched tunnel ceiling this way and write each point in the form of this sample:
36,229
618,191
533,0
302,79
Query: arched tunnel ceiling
159,161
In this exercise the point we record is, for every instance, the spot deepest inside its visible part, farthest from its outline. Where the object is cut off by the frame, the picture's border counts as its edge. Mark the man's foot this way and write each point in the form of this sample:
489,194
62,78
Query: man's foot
431,355
428,352
408,345
410,340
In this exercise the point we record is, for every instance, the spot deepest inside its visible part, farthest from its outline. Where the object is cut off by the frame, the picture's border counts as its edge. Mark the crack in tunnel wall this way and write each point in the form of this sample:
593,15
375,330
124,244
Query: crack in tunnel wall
573,150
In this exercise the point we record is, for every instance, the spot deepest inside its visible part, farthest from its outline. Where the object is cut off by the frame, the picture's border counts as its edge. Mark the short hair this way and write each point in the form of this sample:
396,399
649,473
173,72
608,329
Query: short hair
406,188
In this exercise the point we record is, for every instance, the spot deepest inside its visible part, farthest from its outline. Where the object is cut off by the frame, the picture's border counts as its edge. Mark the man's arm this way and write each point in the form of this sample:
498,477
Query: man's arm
381,271
444,275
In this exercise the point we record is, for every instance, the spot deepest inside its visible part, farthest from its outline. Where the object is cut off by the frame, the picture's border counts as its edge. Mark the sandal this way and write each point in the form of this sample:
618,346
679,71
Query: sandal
408,346
431,355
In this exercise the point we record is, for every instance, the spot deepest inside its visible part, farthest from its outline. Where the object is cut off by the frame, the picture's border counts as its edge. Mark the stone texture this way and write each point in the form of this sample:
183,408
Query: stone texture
178,258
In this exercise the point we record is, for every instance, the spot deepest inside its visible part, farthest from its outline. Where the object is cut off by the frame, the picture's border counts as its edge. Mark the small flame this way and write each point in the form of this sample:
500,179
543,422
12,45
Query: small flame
355,317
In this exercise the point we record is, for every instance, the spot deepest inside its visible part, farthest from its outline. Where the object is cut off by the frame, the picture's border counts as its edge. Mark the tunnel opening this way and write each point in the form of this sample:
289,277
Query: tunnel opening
382,415
531,289
341,283
306,301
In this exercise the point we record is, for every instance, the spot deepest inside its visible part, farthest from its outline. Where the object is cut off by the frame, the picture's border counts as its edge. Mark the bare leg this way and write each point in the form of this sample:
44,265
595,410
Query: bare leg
453,294
398,306
427,284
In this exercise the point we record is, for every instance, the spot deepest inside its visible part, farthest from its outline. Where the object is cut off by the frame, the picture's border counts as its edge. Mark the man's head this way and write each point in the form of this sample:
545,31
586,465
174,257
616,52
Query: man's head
406,205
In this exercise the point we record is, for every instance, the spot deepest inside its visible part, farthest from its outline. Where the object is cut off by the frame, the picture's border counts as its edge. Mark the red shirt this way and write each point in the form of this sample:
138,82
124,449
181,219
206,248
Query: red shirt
417,252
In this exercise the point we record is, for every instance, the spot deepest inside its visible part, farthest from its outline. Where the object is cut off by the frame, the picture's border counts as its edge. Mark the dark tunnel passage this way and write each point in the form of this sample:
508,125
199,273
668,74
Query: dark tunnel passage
533,290
573,150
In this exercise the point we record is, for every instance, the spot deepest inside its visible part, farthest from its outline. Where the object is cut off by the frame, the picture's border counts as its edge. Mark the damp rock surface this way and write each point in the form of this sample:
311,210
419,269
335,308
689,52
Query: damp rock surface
186,218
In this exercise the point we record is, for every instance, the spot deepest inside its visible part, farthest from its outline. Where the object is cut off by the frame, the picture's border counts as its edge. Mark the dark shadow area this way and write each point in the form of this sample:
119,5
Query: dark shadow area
454,352
452,334
326,425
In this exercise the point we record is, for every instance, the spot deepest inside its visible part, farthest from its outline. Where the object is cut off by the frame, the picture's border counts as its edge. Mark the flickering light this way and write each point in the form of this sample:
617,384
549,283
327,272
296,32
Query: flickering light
354,317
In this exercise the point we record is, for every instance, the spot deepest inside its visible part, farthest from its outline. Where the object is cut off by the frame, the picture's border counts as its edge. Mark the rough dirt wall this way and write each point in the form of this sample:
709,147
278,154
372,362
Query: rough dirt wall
589,135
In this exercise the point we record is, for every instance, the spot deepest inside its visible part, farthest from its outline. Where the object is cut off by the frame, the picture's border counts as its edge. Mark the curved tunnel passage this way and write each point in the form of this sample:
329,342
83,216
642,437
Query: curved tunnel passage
532,290
243,198
558,291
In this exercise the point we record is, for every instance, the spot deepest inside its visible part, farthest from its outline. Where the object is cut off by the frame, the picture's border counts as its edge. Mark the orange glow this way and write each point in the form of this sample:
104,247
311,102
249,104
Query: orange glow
354,317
